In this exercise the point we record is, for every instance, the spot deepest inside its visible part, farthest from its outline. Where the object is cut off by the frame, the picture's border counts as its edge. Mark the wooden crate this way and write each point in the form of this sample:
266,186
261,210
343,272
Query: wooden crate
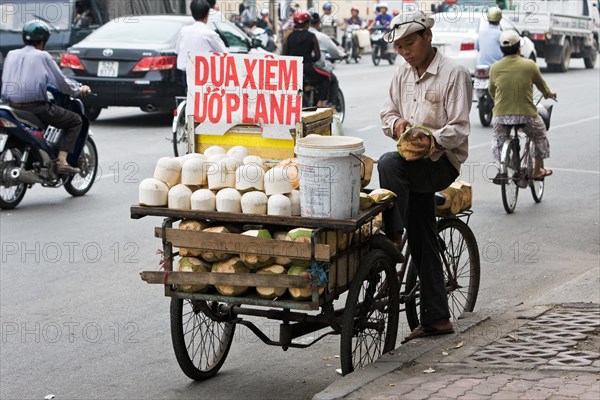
313,122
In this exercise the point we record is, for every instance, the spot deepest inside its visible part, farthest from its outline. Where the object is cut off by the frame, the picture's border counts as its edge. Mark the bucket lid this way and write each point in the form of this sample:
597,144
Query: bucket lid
317,142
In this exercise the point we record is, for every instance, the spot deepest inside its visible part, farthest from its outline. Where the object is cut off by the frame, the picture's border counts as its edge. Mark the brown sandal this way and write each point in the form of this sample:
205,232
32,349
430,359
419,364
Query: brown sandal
545,173
425,331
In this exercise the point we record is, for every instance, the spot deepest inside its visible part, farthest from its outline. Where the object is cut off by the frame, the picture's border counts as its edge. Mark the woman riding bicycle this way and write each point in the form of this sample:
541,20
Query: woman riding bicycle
511,87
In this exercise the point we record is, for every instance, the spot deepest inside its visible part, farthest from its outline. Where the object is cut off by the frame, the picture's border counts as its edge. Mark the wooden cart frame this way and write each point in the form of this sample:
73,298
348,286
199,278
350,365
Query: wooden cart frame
371,270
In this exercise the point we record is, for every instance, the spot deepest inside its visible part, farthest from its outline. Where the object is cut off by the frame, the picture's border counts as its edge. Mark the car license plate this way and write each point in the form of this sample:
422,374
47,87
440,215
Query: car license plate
108,68
3,140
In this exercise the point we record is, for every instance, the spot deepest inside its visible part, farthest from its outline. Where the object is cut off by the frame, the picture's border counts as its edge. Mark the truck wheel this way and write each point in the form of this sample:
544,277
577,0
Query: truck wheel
566,57
590,61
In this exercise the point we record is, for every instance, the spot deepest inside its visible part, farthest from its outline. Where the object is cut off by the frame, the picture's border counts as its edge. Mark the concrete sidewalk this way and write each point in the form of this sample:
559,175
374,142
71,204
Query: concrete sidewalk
545,349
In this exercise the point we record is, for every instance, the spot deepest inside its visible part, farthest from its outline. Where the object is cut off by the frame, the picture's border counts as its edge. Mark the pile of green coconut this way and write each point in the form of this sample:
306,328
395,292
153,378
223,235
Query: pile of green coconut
207,261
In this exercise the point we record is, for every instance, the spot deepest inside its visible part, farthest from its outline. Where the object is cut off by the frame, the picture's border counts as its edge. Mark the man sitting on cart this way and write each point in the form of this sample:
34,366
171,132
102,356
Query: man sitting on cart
433,91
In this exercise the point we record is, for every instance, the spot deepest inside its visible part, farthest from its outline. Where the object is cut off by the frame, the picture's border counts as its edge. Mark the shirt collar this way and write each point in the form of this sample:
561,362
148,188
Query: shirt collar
433,66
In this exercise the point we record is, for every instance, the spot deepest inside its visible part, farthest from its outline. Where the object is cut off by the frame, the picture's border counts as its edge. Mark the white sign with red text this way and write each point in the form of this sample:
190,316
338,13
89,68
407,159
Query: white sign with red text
227,89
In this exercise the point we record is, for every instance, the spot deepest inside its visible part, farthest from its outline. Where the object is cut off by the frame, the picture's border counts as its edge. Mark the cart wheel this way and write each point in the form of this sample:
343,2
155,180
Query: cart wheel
201,343
460,257
370,320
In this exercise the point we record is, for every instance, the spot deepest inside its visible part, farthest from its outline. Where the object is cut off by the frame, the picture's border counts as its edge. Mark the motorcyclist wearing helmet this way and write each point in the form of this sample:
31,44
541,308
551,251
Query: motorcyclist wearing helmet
329,21
382,19
488,42
353,20
511,87
302,43
27,73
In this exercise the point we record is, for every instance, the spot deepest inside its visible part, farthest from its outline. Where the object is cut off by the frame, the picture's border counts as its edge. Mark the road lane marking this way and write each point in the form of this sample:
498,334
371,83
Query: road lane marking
488,144
582,171
366,128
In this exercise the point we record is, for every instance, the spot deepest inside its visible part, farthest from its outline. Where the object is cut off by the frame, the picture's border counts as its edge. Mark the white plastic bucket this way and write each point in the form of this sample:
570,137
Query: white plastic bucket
329,168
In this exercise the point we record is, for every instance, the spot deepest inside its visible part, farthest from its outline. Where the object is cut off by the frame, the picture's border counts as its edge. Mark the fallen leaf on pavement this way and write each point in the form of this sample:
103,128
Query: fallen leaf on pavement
459,345
392,384
513,338
49,397
326,358
429,370
444,353
339,371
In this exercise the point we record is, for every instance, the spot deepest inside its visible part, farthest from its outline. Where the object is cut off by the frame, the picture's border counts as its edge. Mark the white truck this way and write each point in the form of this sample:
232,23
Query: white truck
560,29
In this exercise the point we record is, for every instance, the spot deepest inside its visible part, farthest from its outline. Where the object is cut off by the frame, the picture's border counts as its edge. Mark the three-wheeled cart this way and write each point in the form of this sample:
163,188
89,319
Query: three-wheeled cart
344,255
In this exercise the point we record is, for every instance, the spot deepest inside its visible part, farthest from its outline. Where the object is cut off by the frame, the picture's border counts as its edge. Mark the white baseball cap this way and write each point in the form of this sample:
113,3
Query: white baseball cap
509,38
406,23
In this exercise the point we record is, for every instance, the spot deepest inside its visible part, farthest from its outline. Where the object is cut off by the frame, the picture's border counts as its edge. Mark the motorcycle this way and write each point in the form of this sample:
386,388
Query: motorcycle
28,150
485,103
310,93
379,47
350,43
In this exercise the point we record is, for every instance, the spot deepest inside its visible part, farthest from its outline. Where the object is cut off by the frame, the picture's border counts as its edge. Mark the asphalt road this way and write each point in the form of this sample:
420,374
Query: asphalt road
77,321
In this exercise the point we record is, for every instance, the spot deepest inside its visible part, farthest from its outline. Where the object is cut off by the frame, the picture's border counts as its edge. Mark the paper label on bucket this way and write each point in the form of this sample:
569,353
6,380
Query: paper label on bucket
330,189
316,198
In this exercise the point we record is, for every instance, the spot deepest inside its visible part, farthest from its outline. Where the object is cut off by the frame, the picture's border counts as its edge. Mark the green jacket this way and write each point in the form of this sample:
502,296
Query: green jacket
511,86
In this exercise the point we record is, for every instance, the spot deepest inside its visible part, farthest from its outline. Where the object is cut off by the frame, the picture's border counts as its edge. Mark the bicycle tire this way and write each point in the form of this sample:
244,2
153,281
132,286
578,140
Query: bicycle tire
537,187
202,360
371,313
454,237
510,188
180,137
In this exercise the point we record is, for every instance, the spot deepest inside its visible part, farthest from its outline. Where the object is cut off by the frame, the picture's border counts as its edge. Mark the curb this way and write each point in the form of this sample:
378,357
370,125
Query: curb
396,359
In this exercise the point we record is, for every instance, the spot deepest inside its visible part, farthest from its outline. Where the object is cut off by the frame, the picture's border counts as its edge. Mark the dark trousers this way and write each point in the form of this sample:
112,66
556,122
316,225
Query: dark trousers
322,79
69,121
415,183
333,89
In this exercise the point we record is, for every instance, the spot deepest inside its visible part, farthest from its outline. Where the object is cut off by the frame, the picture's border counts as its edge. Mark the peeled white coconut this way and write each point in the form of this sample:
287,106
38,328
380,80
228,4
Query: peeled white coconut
167,170
254,203
180,160
277,181
204,200
294,197
214,150
221,175
179,197
153,193
191,264
216,157
238,152
270,292
195,156
279,204
231,266
249,177
194,172
255,261
290,165
229,200
252,159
